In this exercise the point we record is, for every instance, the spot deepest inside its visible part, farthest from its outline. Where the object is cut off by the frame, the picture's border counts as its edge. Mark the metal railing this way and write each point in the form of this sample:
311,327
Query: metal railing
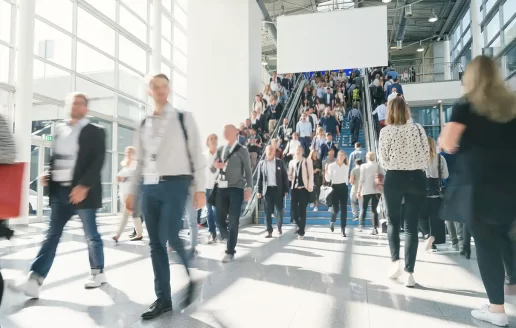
423,73
289,110
369,121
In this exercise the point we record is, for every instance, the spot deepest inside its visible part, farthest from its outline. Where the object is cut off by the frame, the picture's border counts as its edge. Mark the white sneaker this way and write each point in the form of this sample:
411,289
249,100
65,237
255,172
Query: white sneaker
228,258
497,319
316,209
29,286
300,237
95,280
395,270
410,282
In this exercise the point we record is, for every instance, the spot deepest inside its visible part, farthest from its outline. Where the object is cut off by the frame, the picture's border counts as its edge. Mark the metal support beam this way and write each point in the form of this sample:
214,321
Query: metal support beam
449,20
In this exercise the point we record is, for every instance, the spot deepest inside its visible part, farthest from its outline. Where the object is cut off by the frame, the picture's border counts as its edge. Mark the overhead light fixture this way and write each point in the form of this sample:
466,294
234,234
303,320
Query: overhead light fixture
420,49
399,44
386,1
264,63
433,18
439,101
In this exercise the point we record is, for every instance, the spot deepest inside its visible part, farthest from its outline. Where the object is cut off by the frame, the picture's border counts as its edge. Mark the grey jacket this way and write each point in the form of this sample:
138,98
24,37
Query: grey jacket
238,170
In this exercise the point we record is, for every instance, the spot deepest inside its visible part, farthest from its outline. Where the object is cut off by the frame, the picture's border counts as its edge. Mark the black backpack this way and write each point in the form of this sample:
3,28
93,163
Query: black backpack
378,92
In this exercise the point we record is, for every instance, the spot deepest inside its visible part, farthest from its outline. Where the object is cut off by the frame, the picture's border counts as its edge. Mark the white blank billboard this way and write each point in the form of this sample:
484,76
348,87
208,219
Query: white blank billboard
352,38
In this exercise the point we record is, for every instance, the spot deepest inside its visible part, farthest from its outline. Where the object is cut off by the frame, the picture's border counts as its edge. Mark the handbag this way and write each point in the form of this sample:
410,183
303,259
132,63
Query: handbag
212,198
10,198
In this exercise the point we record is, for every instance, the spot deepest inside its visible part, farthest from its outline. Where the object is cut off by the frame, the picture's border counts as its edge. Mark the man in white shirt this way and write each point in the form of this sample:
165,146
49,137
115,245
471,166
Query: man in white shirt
304,129
170,160
381,111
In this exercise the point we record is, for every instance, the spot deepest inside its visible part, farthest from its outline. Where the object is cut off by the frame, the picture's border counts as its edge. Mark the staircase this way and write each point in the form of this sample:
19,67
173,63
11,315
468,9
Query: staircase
323,216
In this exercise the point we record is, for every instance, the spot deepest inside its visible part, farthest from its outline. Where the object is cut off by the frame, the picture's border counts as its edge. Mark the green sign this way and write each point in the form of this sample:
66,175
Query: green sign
47,137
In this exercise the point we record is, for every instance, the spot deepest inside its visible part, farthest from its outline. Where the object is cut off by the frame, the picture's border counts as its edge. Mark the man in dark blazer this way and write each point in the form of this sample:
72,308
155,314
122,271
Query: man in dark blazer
74,182
284,134
327,98
272,187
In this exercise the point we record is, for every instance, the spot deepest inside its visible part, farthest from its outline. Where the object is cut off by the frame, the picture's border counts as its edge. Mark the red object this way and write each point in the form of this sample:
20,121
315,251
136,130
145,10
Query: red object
382,124
11,176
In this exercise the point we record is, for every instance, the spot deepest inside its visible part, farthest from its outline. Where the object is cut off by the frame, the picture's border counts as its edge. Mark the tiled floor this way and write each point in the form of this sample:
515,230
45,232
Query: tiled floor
323,281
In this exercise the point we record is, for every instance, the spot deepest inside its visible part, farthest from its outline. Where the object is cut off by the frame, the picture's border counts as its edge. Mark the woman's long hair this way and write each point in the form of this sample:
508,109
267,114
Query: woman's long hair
433,148
485,89
398,112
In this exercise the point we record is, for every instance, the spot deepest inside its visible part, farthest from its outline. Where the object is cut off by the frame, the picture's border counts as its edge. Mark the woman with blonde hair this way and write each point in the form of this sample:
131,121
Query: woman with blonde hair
301,174
337,174
124,184
481,131
403,153
368,189
432,225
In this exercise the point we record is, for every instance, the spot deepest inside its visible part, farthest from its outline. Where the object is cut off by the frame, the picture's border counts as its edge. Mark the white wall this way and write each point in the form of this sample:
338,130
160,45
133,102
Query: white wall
307,42
224,61
422,92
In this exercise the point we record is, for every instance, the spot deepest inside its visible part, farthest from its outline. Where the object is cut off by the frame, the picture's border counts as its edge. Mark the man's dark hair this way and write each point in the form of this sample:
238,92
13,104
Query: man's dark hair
395,79
329,134
358,145
161,76
82,96
358,162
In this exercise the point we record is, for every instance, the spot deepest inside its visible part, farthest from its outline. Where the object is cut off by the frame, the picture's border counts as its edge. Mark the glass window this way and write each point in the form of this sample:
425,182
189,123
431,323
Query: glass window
467,36
511,60
107,197
509,9
108,130
488,5
107,7
456,35
510,32
493,27
132,54
165,69
138,6
4,64
107,170
183,4
180,61
125,138
466,20
100,99
179,102
180,16
133,24
129,109
95,65
51,81
131,82
166,49
52,44
166,27
179,84
167,4
180,40
90,28
61,17
5,21
494,48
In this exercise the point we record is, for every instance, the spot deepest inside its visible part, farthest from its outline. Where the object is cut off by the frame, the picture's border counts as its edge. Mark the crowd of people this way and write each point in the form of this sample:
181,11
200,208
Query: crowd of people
425,191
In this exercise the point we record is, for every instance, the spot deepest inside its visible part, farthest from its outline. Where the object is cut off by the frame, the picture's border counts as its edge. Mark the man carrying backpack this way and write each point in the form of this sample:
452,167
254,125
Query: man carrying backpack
355,122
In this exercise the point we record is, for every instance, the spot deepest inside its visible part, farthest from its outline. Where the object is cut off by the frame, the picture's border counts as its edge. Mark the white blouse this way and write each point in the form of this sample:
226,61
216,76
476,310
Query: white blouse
432,170
337,174
403,147
292,146
126,172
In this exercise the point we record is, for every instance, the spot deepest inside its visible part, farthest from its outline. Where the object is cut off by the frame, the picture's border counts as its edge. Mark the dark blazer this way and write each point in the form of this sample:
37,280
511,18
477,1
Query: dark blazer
324,99
281,177
269,115
287,84
90,159
305,95
325,148
282,133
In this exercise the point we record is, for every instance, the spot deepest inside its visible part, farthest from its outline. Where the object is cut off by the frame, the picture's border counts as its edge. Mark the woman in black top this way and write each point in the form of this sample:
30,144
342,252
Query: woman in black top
318,180
482,131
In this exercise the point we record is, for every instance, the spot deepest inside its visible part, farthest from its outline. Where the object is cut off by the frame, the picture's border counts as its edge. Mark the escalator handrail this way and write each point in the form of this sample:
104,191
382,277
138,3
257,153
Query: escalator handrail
371,135
288,112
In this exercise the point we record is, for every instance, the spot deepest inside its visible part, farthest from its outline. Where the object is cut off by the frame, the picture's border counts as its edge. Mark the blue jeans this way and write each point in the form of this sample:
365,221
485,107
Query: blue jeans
163,205
190,216
212,228
229,205
61,212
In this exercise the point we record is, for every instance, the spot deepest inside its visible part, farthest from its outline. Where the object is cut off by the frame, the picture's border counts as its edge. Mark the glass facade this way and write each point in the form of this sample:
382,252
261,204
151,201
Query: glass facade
101,48
428,117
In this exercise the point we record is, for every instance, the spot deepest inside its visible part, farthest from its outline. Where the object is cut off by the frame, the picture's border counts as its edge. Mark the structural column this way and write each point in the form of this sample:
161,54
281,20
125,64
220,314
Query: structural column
24,78
447,59
224,61
155,65
476,35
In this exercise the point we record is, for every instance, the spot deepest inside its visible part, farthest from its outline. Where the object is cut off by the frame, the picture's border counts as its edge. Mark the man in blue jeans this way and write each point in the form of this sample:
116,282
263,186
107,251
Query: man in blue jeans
168,152
233,187
75,188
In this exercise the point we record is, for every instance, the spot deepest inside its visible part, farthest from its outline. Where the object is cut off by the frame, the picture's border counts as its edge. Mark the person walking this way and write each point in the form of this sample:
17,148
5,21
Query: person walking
170,160
304,131
403,153
211,176
124,186
337,173
272,187
301,175
369,191
479,194
355,122
354,180
234,185
358,153
74,182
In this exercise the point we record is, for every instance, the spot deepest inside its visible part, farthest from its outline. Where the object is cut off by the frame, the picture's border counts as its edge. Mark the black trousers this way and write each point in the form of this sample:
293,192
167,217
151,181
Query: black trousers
1,287
466,237
495,256
273,199
354,129
374,198
430,222
340,203
299,203
410,185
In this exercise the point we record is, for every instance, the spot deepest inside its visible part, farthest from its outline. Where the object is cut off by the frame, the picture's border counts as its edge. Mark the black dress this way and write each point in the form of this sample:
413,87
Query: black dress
483,182
314,195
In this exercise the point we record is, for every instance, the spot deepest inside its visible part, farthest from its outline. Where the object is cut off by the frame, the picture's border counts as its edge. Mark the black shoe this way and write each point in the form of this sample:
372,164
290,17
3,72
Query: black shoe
291,220
343,233
156,309
213,237
280,231
268,235
374,232
190,294
133,234
466,253
332,226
